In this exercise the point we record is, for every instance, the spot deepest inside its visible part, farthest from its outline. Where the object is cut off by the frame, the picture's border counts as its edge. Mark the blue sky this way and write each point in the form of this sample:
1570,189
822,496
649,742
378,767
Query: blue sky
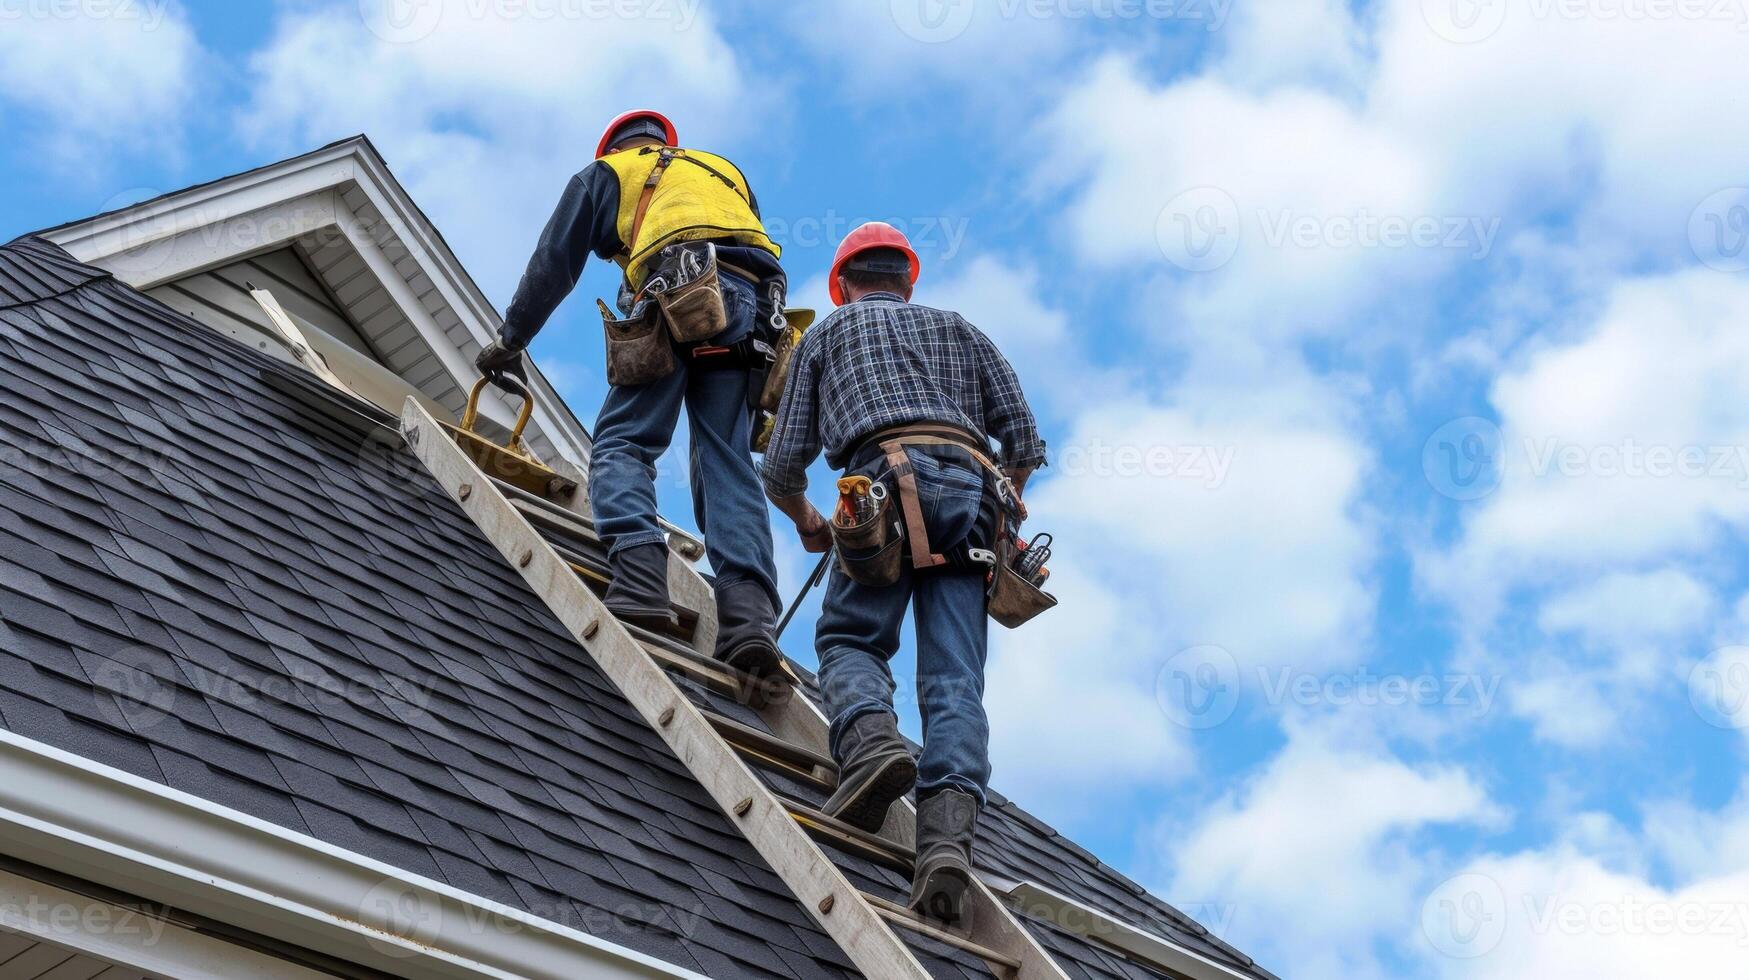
1391,354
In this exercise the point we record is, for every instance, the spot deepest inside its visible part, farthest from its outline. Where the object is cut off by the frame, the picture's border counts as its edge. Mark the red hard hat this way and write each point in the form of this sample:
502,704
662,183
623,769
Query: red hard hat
671,138
874,234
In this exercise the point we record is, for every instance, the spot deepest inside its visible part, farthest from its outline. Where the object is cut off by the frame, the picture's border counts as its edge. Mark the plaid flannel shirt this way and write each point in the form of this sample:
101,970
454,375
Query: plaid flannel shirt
881,362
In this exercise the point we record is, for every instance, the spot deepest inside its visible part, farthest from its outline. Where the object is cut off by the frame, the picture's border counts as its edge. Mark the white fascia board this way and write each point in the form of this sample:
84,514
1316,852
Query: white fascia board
458,289
132,228
131,937
75,816
153,243
1036,901
189,244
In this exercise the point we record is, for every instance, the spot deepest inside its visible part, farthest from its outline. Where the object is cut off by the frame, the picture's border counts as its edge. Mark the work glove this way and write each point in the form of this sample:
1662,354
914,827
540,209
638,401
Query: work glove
497,360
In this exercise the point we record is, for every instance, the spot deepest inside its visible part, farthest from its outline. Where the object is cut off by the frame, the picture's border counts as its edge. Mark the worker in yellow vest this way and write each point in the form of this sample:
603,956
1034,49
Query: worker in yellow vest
702,295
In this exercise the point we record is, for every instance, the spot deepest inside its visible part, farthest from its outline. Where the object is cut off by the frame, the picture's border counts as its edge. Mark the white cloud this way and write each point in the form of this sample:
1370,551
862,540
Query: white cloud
1174,531
902,50
1002,300
1563,913
1630,630
1620,447
1625,607
1283,212
1294,41
1404,167
1321,851
485,117
87,80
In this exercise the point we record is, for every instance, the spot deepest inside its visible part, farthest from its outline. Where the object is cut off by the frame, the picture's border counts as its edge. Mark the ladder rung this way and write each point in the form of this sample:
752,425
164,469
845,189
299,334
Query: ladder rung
802,762
847,838
572,525
719,679
516,493
903,917
599,575
682,541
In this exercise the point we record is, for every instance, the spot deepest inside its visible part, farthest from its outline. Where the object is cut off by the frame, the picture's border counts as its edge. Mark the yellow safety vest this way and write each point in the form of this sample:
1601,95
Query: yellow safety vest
700,196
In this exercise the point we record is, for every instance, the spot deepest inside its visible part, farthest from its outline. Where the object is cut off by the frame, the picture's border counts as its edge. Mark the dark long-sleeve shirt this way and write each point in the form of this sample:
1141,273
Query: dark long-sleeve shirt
881,362
587,220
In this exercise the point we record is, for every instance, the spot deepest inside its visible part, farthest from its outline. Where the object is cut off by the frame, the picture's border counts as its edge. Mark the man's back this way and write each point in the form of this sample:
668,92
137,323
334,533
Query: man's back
881,362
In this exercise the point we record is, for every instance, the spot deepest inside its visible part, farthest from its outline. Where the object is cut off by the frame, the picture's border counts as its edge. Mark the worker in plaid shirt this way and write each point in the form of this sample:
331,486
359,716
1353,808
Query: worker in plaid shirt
879,362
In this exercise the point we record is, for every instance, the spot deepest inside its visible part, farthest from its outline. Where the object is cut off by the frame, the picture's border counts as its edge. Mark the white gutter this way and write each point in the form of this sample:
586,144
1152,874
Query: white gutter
132,937
94,822
1033,900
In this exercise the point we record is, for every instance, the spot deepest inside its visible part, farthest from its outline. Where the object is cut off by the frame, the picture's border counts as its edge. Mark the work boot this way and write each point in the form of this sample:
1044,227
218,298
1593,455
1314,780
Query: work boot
638,592
745,621
876,768
945,821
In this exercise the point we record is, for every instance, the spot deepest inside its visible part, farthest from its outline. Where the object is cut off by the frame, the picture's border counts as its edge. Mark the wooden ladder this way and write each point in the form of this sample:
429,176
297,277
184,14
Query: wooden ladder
538,527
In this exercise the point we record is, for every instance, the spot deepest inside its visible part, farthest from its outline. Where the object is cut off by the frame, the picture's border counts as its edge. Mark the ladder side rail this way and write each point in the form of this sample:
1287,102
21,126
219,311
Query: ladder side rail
836,905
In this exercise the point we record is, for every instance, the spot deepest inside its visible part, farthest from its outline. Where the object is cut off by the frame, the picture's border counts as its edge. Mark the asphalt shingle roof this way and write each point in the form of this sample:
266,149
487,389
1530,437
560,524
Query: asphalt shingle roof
211,578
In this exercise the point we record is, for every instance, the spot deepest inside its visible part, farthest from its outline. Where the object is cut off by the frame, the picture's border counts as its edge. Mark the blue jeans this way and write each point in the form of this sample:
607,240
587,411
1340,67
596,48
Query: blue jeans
634,430
858,633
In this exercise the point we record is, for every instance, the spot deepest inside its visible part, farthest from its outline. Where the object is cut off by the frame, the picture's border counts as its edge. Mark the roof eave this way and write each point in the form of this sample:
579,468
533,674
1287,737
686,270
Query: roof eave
125,832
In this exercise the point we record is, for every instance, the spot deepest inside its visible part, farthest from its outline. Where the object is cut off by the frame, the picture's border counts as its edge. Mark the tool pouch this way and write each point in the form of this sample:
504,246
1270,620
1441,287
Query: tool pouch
638,351
777,378
1013,601
871,552
689,289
